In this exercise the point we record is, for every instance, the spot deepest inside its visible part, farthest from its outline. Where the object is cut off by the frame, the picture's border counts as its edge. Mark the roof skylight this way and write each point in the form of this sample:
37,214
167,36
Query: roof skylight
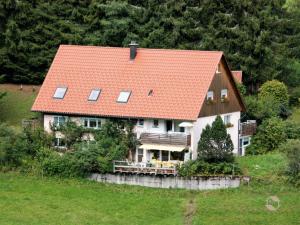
94,95
60,92
124,96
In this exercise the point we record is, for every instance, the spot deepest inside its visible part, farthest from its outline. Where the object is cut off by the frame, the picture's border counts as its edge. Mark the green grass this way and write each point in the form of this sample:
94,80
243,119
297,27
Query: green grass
34,200
31,200
16,105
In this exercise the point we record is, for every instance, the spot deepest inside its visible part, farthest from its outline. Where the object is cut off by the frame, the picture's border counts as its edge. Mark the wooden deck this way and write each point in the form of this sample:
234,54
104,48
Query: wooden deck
169,139
125,167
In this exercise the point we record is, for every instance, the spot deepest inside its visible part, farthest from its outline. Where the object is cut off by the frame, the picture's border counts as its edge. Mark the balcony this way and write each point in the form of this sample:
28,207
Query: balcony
166,139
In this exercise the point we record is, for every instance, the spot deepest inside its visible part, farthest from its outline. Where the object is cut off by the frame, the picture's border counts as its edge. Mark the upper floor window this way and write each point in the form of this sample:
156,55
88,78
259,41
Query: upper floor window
94,123
124,96
59,120
140,122
155,123
224,94
227,121
218,68
210,96
60,92
94,95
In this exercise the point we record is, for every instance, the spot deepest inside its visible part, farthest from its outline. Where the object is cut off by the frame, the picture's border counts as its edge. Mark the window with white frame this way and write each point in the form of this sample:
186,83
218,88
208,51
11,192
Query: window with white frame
140,122
59,143
246,141
140,155
210,96
224,93
59,120
94,95
124,96
94,123
227,120
60,92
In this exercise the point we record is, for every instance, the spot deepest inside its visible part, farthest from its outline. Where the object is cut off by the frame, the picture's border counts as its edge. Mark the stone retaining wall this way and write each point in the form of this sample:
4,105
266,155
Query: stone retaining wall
193,183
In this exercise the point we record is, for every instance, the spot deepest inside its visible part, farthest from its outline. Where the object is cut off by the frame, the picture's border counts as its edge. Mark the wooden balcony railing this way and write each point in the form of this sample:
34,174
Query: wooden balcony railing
169,139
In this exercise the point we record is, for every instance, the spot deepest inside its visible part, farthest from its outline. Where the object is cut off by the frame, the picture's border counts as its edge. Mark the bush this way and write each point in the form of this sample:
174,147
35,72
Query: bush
292,150
215,144
270,134
276,90
202,168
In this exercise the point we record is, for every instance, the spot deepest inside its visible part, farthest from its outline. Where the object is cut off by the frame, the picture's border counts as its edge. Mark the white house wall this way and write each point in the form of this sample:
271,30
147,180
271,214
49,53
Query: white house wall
201,123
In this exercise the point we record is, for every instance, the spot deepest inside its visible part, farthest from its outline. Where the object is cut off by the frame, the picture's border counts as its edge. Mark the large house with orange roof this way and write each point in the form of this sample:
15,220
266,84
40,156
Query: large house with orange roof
171,95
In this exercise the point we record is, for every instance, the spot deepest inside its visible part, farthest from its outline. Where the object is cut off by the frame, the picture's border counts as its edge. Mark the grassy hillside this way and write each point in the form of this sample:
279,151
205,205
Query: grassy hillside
33,200
16,105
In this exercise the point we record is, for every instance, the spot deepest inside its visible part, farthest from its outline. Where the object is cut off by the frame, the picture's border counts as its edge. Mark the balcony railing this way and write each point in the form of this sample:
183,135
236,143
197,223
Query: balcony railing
169,139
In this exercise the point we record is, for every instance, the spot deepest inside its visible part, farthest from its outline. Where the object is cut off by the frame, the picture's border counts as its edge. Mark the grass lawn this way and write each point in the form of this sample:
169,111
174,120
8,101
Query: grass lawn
16,105
33,200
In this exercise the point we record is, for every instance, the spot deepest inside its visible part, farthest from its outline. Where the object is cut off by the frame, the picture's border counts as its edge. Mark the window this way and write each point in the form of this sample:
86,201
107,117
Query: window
246,141
94,123
58,120
227,120
210,95
155,123
60,92
224,93
124,96
150,93
140,122
94,95
177,156
218,68
59,142
164,155
140,154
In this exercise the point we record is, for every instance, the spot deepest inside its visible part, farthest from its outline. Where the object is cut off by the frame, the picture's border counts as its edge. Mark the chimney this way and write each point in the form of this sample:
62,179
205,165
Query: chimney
133,49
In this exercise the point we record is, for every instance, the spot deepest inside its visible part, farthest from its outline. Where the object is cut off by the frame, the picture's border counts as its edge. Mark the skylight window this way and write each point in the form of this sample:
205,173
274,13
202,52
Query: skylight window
94,95
124,96
60,92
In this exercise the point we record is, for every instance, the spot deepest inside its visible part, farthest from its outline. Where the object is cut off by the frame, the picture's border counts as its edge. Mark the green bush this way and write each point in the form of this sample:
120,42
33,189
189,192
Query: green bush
270,134
276,90
215,145
202,168
292,150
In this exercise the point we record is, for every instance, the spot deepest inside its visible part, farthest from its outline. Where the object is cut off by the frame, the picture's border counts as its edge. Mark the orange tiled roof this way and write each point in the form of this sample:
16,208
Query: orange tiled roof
238,75
179,80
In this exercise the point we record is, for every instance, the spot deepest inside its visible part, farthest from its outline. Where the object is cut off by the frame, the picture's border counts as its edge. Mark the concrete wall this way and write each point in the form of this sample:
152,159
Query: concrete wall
194,183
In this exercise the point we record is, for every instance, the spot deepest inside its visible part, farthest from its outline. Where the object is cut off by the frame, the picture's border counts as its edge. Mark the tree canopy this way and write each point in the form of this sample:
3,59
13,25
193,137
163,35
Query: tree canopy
259,37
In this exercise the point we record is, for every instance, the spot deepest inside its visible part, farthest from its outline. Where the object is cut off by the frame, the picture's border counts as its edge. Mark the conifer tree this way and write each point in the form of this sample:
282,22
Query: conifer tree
215,144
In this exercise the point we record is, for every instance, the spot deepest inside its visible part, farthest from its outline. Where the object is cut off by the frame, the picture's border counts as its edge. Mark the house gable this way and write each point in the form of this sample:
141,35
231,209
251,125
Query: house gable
222,80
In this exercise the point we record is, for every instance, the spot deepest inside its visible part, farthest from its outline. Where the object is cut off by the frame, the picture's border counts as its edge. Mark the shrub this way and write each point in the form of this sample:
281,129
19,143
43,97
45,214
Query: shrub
276,90
270,134
200,167
292,149
215,144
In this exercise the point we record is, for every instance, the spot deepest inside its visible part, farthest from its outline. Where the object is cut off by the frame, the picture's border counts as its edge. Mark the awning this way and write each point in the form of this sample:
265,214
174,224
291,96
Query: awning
171,148
185,124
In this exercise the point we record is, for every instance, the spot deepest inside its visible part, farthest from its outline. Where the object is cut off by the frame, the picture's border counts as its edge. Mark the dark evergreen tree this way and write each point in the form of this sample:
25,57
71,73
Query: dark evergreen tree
215,144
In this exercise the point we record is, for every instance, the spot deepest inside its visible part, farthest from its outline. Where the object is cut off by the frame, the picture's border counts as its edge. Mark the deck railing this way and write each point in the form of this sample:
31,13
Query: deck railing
142,168
169,139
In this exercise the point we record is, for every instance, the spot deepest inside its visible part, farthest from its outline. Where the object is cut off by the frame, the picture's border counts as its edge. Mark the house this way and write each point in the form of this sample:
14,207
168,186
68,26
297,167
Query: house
170,94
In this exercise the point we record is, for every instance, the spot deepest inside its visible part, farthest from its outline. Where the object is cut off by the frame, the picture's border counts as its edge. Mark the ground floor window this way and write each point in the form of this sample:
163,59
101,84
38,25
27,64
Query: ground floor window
164,155
155,154
59,142
177,156
140,155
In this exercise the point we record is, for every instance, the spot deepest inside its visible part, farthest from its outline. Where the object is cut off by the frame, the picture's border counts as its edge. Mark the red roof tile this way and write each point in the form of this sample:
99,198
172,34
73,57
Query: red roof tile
238,75
179,80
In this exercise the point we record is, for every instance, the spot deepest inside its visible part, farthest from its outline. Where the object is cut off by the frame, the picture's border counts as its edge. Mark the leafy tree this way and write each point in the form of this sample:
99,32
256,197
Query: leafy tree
276,90
270,134
215,145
